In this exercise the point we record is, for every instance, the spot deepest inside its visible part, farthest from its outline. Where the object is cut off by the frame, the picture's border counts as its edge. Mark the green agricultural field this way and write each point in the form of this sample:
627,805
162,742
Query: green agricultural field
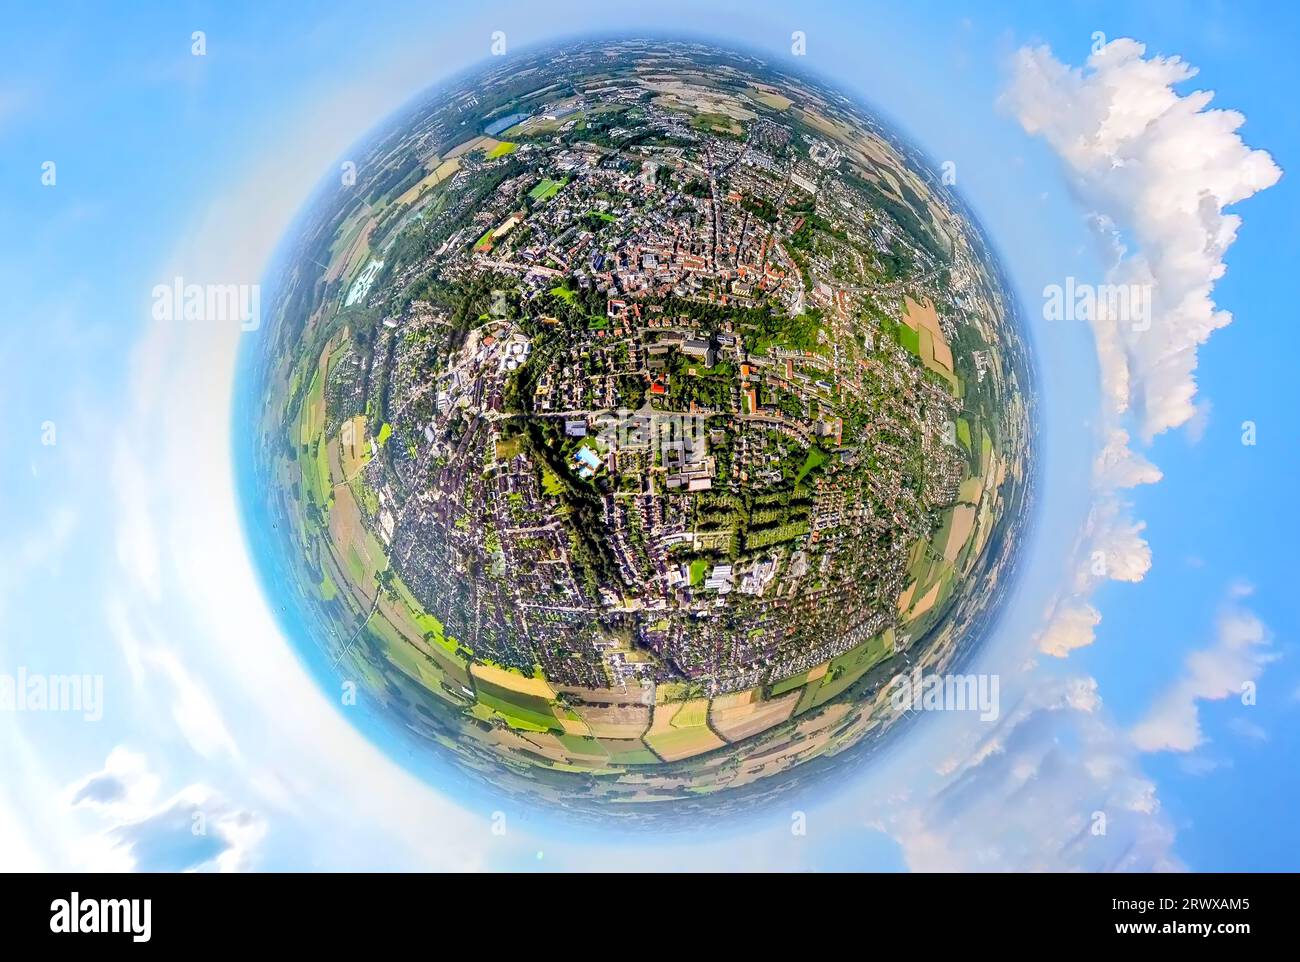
680,731
637,754
316,474
790,684
940,539
848,668
529,711
356,567
963,433
547,188
582,745
366,497
693,714
910,339
401,655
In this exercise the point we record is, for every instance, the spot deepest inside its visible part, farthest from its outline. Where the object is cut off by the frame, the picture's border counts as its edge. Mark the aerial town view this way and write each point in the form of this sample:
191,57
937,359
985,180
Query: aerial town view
677,441
633,413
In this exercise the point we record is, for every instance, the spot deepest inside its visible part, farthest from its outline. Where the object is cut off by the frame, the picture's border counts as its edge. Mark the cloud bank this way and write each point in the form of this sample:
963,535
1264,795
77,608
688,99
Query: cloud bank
1155,170
1054,787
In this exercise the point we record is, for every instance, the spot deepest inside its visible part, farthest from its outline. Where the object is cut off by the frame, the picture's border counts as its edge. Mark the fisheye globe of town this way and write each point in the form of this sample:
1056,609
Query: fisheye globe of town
632,412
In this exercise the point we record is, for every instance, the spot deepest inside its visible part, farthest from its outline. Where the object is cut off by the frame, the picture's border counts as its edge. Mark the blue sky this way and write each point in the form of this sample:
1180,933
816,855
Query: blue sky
121,555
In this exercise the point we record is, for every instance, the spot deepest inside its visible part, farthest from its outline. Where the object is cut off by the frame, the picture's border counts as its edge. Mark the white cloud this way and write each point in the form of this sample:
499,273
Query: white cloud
1194,429
1072,625
1160,167
1155,170
124,785
1118,466
1241,650
1117,549
1111,547
1054,787
194,829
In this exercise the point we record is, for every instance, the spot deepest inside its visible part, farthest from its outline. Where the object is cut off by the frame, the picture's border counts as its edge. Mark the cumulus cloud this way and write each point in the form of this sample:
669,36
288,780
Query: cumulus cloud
1118,466
1111,548
1054,787
124,784
1157,168
1071,625
1117,549
195,829
1232,664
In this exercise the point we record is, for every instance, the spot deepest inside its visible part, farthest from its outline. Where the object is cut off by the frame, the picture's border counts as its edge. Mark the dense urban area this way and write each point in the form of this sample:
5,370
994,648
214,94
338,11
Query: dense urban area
635,404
